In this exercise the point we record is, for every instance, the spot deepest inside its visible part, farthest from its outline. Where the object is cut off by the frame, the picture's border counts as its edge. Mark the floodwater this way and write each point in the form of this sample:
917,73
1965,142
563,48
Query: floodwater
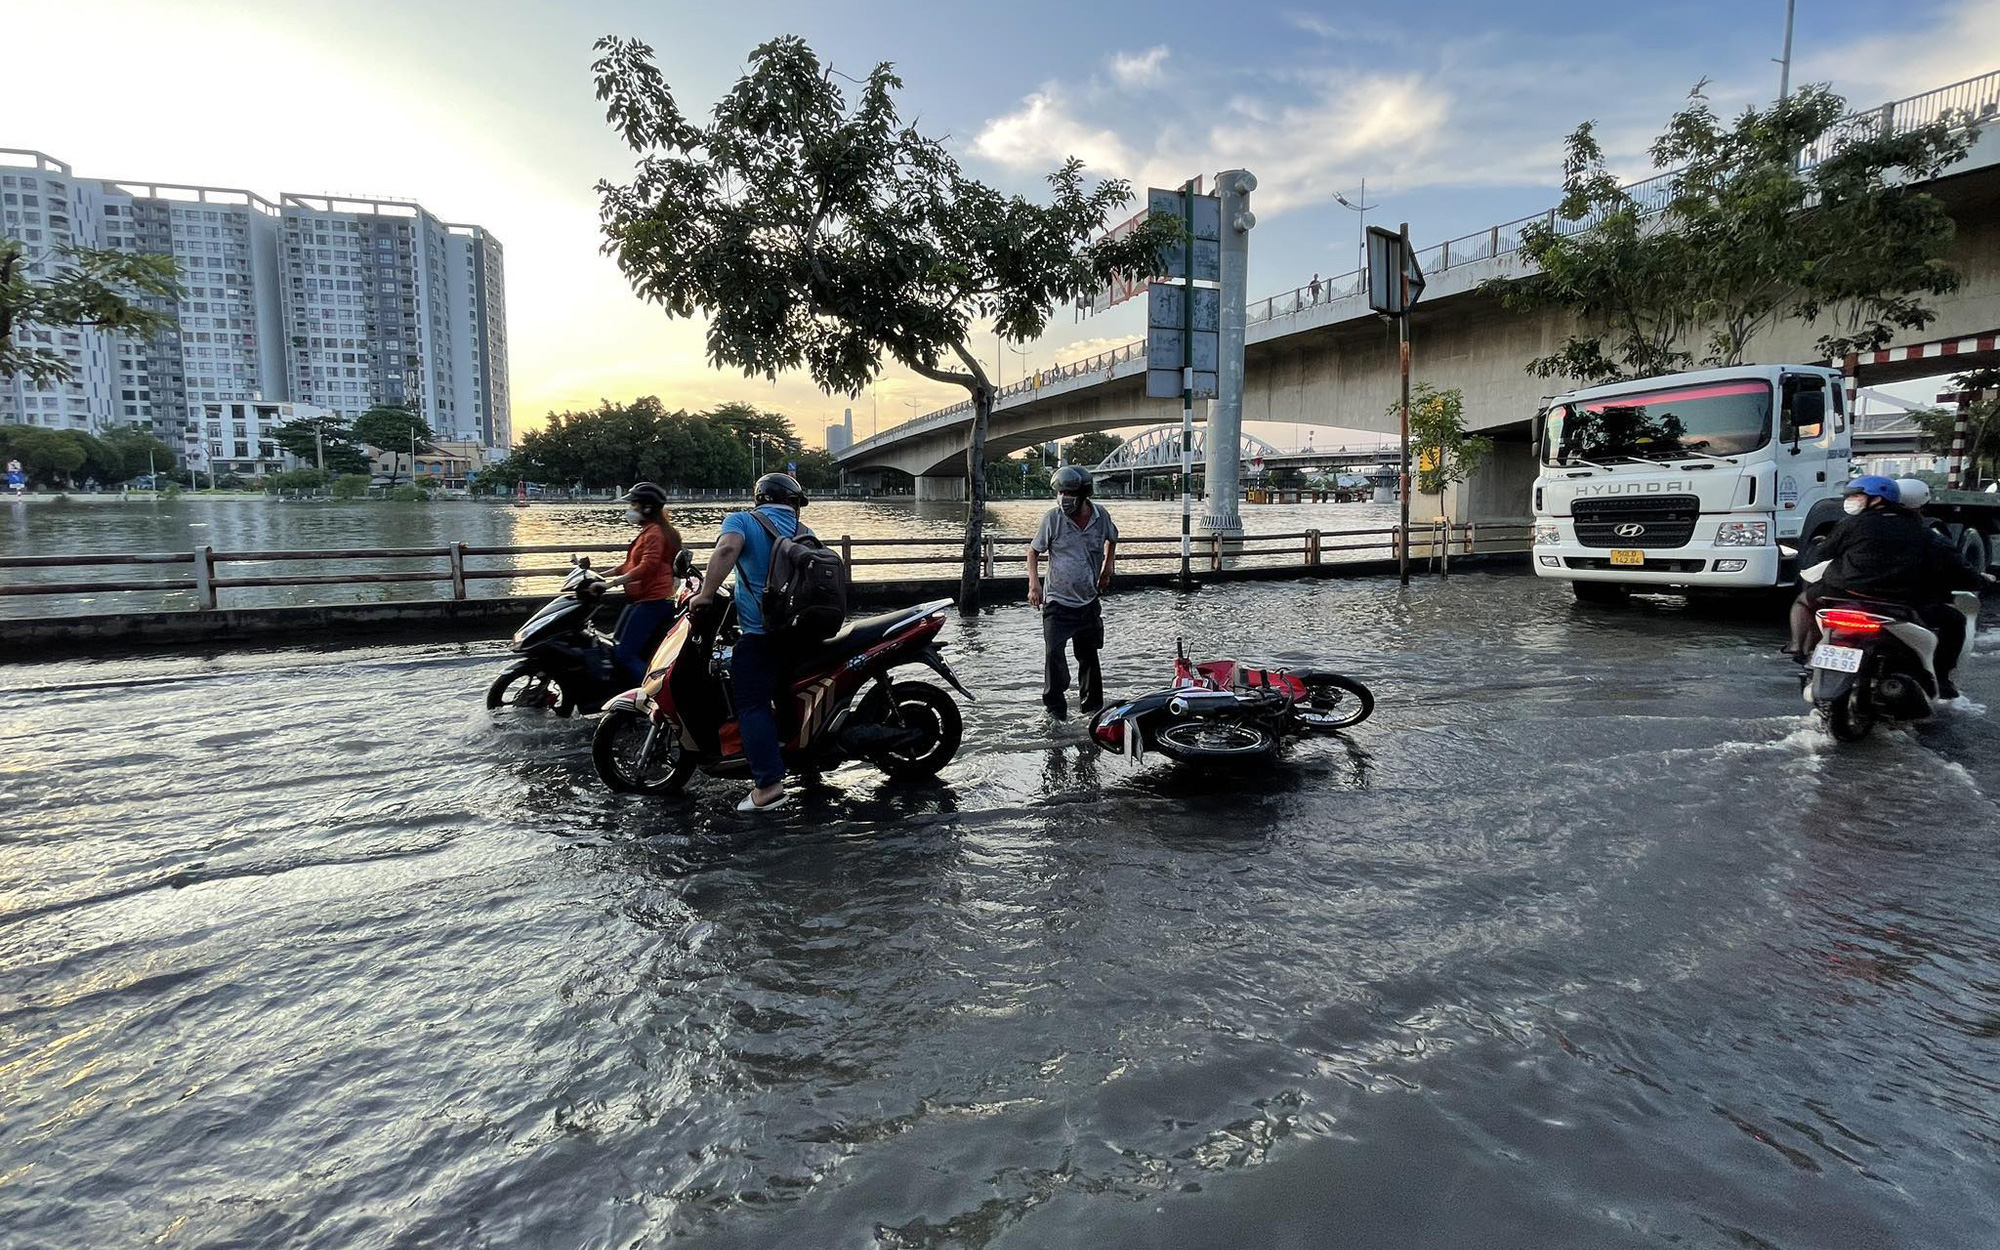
1589,938
100,524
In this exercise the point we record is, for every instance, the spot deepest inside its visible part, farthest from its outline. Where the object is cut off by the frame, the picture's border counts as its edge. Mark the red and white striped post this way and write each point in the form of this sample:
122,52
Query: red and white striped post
1954,471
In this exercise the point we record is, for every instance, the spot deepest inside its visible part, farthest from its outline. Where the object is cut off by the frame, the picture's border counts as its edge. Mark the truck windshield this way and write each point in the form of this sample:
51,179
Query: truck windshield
1713,419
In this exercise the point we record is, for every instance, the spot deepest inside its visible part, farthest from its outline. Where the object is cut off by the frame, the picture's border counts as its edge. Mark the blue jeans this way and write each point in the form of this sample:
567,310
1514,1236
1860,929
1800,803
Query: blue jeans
633,637
757,672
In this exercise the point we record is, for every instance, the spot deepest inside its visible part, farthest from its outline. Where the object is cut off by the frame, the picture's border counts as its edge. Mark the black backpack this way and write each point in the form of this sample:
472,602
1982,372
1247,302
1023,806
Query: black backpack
806,593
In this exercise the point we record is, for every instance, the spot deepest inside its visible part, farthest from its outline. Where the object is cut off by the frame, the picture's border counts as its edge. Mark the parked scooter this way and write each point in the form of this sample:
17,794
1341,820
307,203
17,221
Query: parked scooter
567,663
1876,661
845,703
1227,712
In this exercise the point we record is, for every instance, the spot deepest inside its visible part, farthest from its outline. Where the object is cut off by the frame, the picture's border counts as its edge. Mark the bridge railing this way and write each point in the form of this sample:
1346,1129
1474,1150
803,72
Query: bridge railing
196,580
1976,98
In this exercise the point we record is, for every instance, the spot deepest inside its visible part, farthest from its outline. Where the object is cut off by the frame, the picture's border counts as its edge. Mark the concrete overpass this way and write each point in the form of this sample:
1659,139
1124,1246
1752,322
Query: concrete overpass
1321,358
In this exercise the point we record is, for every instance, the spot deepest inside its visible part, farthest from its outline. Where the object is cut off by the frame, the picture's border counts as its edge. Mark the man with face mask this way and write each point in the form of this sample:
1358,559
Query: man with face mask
1883,551
1081,543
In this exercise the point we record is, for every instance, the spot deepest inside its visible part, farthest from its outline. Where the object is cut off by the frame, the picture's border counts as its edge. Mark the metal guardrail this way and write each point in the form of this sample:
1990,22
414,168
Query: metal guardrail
1977,97
1296,550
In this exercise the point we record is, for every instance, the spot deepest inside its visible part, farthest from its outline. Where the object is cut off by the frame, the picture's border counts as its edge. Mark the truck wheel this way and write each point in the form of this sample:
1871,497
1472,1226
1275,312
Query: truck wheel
1973,549
1608,593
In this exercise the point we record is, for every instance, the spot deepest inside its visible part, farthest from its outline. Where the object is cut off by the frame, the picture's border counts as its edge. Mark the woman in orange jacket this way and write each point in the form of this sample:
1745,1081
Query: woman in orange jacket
647,574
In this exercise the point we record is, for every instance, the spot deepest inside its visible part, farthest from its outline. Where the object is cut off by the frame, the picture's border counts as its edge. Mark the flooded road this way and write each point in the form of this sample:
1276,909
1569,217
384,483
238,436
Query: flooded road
1588,938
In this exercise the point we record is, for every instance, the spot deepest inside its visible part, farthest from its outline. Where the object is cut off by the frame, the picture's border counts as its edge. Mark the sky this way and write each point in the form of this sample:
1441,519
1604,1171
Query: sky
484,112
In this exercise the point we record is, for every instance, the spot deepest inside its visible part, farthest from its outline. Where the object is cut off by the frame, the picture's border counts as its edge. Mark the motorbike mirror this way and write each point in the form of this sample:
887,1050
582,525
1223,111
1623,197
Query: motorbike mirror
684,563
582,562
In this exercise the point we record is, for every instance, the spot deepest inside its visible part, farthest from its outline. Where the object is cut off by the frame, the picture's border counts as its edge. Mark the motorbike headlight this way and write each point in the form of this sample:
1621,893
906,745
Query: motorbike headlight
1547,534
1743,534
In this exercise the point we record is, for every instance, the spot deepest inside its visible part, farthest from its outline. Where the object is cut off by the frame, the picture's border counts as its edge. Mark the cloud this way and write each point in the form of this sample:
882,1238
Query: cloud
1312,24
1042,133
1140,69
1963,43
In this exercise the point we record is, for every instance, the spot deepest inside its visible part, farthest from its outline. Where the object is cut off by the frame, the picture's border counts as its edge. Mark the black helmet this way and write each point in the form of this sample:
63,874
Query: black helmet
646,494
1072,479
780,488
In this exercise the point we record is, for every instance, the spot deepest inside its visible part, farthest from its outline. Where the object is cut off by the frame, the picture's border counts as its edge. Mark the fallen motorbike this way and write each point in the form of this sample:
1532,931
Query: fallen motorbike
1876,661
845,704
1224,711
566,662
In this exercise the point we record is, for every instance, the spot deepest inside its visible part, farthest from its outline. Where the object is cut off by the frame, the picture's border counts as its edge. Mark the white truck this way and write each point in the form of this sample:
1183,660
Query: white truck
1715,479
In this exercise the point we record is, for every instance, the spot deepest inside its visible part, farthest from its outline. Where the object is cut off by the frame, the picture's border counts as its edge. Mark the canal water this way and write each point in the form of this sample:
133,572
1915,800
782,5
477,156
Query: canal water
99,524
1589,938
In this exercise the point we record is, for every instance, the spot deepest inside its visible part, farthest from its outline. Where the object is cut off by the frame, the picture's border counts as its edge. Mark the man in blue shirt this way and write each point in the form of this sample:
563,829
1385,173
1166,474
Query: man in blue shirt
758,669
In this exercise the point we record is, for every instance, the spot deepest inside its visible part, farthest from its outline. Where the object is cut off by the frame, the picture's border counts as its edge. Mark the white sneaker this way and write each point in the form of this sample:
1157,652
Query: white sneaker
750,803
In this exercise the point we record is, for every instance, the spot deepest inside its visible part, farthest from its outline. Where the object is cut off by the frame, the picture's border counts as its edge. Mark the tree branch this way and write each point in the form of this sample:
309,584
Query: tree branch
936,374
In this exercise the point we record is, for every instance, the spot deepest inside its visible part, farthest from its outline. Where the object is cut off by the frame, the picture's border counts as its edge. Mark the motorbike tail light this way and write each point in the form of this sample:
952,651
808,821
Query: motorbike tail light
1111,732
1853,620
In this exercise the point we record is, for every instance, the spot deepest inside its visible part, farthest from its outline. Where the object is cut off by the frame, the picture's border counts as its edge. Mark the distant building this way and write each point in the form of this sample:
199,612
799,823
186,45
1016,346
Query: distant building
840,437
336,302
237,436
449,464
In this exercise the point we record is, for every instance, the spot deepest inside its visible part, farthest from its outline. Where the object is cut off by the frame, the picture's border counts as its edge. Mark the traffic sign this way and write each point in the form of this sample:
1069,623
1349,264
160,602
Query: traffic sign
1394,279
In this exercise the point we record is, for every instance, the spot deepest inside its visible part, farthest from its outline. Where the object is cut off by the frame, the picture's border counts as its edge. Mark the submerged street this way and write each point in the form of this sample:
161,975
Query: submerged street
1589,937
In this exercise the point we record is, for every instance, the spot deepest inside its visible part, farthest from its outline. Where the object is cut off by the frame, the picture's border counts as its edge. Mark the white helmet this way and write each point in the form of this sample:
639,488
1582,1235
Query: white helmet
1915,492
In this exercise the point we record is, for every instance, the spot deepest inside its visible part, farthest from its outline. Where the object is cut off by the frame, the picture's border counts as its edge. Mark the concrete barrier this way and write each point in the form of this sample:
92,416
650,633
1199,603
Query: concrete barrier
339,624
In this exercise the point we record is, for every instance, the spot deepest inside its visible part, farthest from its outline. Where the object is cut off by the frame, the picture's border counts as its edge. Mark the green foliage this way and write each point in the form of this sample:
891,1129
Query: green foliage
1441,452
1005,478
233,481
91,288
408,493
817,469
1089,449
306,437
132,451
1745,240
821,235
350,486
72,456
296,479
618,444
395,429
171,490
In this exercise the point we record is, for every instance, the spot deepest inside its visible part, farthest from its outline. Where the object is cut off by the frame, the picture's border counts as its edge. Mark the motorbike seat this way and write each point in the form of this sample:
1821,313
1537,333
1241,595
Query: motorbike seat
857,636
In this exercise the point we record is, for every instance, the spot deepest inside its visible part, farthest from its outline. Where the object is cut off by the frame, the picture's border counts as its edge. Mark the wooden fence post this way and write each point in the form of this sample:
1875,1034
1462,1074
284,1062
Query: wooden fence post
986,560
847,551
1471,533
1215,553
204,579
456,555
1312,547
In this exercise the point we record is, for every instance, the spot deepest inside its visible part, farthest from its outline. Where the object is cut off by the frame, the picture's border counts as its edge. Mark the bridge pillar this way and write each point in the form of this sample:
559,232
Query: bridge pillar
941,489
1225,411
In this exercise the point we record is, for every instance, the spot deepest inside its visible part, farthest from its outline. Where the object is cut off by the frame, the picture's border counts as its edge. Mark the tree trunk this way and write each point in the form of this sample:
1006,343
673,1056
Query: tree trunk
975,517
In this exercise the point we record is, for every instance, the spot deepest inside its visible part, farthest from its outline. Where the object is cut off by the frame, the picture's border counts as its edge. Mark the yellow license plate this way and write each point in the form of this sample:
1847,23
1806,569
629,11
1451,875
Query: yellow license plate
1628,557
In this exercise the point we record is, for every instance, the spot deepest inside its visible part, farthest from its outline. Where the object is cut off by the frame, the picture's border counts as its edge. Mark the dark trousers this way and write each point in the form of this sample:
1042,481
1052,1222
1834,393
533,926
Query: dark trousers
638,628
1063,625
757,671
1948,623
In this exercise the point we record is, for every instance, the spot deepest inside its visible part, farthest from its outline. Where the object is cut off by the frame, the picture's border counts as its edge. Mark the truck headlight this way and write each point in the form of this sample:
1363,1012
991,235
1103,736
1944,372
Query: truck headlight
1731,566
1743,534
1547,534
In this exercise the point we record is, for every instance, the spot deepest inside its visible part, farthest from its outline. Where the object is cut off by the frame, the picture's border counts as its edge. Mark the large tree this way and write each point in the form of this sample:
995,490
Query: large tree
1090,449
1740,235
330,437
821,235
396,429
89,288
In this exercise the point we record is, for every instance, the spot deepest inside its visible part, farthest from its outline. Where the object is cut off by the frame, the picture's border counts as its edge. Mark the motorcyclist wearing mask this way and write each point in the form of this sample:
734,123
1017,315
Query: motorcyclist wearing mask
1081,543
647,574
1884,551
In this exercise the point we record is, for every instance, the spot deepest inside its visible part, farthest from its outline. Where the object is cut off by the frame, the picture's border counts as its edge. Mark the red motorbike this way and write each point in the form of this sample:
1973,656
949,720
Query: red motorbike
845,704
1225,711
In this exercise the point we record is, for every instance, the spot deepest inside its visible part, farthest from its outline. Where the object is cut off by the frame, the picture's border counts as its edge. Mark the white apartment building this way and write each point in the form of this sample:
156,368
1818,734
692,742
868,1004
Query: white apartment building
334,302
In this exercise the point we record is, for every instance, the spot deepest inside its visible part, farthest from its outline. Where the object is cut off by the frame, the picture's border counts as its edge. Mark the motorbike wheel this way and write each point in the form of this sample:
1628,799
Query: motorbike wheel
1850,717
922,706
529,688
1216,741
615,749
1333,701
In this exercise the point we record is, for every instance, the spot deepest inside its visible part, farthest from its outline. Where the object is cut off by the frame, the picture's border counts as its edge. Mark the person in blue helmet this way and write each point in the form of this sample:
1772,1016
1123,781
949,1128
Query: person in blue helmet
1883,550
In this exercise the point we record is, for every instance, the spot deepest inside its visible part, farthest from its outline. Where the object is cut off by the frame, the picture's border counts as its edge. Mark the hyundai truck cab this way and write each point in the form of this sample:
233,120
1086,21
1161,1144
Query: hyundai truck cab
1690,480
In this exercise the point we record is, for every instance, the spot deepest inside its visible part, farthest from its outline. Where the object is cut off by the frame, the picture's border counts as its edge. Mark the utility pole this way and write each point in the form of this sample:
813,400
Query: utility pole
319,444
1187,384
1403,355
1785,61
1360,205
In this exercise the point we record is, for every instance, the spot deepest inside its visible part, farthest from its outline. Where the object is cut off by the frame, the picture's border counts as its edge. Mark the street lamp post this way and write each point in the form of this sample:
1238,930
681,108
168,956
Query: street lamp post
1360,205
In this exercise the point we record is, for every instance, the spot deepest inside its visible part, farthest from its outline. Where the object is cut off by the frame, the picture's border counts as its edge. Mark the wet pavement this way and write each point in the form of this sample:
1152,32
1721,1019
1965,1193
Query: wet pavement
1589,937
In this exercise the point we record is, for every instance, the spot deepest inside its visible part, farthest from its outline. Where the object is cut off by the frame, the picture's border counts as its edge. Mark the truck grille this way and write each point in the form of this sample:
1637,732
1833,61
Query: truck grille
1663,521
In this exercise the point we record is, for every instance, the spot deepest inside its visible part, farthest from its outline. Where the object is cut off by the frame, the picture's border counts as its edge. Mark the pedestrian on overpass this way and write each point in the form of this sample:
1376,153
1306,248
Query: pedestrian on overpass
1081,542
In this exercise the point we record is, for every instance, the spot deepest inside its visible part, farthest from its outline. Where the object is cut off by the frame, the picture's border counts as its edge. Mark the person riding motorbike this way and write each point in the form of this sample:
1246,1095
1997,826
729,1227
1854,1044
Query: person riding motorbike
1883,551
759,668
647,574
